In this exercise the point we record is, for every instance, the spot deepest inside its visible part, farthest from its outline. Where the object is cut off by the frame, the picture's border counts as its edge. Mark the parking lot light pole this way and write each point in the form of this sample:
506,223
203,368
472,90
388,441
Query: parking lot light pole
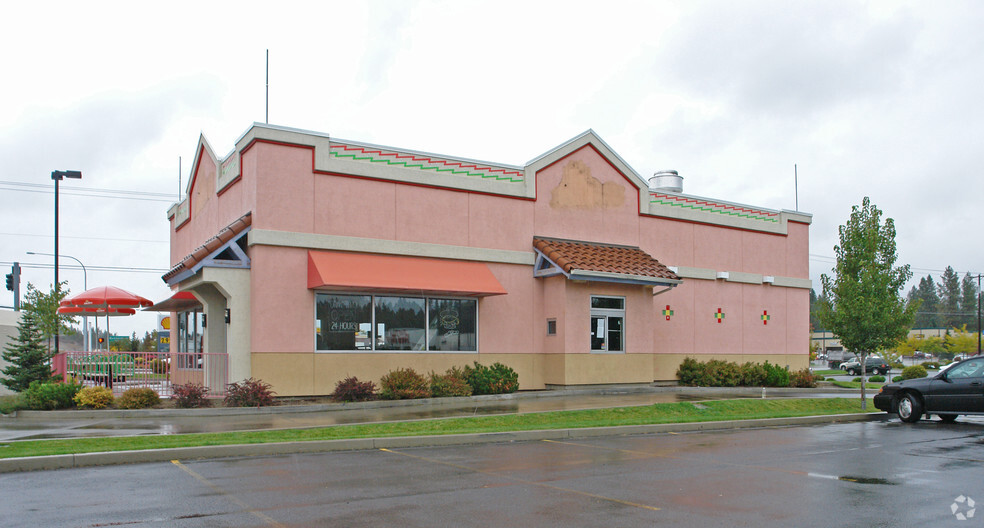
58,176
85,286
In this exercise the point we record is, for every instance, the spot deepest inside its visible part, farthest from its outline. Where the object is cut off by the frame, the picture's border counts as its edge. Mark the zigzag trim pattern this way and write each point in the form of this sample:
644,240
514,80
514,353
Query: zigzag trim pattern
412,161
713,207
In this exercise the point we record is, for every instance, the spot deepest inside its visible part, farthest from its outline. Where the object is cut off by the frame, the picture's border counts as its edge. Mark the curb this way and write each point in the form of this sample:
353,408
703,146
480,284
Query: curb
10,465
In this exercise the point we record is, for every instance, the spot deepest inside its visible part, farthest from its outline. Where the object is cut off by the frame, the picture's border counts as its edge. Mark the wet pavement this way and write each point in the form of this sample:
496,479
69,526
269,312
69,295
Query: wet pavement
32,426
870,474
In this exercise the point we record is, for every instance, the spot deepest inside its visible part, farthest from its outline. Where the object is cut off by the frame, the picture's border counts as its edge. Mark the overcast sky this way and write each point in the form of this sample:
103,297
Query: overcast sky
879,99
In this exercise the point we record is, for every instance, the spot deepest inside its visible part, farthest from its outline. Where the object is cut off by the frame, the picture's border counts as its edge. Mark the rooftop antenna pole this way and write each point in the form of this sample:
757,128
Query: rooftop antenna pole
797,186
179,178
268,86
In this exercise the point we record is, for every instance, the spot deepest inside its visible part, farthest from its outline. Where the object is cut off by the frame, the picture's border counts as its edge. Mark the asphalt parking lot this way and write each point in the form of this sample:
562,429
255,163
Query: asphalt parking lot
881,473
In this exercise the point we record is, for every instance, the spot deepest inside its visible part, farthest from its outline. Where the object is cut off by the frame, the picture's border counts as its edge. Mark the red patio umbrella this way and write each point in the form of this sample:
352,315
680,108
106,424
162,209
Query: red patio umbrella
104,300
106,297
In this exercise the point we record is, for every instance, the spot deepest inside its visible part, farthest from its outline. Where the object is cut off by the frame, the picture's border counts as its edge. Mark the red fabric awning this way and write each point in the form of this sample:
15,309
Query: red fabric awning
394,273
182,301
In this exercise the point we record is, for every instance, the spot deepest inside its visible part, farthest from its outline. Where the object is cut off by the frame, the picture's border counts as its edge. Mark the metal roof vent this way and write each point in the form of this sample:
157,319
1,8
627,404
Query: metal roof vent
666,181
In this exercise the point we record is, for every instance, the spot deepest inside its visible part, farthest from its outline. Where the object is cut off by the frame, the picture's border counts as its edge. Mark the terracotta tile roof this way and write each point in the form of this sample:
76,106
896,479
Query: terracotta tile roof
226,234
573,255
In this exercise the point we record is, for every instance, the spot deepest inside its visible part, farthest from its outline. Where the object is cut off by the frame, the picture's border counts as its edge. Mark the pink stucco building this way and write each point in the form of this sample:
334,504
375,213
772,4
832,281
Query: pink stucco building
315,258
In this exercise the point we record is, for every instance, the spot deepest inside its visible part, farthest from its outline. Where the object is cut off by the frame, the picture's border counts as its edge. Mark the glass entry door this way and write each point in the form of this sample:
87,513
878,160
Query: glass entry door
607,324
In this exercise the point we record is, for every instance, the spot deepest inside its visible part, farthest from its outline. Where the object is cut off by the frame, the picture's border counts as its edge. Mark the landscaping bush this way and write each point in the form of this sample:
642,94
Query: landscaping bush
249,393
404,384
857,379
50,395
497,379
190,395
915,371
752,375
803,379
94,397
877,379
719,373
897,379
451,383
351,389
138,398
897,365
930,365
158,366
776,376
689,371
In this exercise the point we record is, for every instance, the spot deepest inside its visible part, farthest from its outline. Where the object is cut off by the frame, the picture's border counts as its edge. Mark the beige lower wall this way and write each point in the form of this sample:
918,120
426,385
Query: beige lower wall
316,374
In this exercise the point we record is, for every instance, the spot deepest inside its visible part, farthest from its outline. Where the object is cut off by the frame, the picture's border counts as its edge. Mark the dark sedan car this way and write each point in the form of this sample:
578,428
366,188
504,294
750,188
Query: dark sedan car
959,390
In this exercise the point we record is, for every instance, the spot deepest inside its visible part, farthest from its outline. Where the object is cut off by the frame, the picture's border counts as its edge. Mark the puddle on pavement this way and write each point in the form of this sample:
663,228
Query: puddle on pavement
867,480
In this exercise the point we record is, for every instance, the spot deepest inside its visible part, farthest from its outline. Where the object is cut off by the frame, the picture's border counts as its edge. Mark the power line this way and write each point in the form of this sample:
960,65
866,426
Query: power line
88,191
125,269
91,238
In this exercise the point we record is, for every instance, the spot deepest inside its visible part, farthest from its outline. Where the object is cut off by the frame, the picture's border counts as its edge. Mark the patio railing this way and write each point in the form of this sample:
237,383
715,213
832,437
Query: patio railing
120,371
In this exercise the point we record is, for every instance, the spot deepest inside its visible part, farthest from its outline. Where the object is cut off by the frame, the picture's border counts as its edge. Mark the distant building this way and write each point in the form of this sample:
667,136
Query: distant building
312,258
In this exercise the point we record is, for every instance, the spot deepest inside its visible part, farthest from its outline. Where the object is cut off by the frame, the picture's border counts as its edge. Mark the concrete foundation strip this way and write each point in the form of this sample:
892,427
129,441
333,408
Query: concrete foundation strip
8,465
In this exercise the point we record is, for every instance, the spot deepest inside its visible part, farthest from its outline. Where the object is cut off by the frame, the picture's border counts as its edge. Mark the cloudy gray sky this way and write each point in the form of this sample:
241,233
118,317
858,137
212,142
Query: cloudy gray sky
876,99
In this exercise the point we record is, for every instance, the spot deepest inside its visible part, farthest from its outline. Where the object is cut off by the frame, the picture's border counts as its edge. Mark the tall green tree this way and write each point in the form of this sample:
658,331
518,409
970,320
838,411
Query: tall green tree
44,308
26,357
949,288
928,300
863,305
968,301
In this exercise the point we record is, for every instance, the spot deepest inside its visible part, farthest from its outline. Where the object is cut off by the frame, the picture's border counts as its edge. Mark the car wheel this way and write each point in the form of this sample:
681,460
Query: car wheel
852,372
948,418
909,408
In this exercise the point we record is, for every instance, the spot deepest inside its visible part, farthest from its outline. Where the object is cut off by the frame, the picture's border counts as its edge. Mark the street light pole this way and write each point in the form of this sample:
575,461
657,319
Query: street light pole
85,286
57,176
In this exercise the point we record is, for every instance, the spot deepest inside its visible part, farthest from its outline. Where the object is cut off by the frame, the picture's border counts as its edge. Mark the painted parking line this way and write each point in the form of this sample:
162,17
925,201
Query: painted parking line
524,481
233,498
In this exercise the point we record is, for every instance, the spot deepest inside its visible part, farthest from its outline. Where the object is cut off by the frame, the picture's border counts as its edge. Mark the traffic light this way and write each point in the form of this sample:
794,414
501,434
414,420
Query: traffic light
102,340
13,283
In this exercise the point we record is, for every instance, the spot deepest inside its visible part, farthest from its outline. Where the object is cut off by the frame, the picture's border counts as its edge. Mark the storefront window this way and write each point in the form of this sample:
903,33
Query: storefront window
191,330
451,324
607,324
344,322
367,322
400,323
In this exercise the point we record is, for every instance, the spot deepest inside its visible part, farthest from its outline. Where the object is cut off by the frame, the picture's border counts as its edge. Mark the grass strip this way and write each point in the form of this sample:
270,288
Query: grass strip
857,385
660,413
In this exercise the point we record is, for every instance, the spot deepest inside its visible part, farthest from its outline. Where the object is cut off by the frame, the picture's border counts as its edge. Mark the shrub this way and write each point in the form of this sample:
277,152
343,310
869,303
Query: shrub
497,379
915,371
451,383
50,395
752,374
897,365
897,379
877,379
803,379
94,397
857,379
249,393
158,366
690,371
930,365
776,376
190,395
138,398
351,389
404,384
